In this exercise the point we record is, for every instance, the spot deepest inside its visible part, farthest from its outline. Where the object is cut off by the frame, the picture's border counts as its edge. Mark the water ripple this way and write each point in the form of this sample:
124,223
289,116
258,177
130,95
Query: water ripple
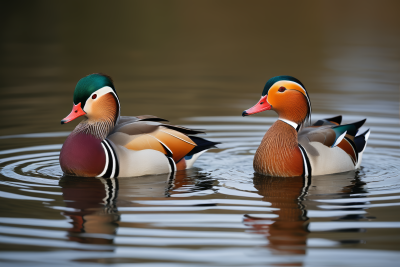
220,206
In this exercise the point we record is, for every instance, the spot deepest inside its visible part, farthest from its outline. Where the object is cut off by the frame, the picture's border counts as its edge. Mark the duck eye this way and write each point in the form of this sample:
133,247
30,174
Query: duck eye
94,96
282,89
261,103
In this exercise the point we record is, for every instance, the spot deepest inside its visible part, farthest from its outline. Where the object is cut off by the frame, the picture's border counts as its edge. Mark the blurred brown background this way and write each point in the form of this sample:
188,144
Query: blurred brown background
178,59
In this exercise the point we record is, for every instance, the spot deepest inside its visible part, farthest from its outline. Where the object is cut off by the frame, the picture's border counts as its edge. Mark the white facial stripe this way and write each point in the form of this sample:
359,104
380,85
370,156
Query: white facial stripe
100,92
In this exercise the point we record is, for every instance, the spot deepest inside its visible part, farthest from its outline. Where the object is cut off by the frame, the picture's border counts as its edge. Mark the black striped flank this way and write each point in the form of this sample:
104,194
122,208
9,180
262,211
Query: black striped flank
309,169
111,165
171,164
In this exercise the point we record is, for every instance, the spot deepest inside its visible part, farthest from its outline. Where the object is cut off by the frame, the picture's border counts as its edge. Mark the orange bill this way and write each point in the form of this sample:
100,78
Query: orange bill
261,106
75,113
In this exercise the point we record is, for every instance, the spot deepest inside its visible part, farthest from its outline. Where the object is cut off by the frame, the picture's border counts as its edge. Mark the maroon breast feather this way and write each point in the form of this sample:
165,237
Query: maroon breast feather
82,155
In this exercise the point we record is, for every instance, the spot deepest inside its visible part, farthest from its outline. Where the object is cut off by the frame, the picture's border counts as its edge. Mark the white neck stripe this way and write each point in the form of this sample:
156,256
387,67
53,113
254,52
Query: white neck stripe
291,123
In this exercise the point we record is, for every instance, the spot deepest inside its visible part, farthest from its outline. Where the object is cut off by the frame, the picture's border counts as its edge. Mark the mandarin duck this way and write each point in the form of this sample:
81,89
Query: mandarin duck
289,149
105,144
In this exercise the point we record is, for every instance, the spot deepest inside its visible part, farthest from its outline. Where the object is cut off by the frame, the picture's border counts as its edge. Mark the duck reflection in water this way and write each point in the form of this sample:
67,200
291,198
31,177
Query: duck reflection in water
94,202
93,211
288,232
291,197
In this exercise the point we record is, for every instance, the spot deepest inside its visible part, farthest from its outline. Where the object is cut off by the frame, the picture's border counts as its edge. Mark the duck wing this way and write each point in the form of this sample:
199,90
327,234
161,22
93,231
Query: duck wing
148,118
329,132
342,136
325,135
124,120
148,132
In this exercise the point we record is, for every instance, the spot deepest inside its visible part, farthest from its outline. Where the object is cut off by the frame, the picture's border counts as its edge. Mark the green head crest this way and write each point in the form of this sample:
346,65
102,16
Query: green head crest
90,84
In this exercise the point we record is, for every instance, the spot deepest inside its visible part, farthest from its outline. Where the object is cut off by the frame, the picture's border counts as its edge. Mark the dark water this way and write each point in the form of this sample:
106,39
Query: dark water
199,64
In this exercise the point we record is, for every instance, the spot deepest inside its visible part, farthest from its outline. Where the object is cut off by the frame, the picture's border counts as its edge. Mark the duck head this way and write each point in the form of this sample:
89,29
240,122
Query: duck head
96,99
285,95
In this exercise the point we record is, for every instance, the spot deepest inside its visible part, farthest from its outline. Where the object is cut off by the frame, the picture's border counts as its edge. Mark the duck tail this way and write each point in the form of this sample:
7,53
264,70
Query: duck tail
351,128
358,124
202,146
347,131
329,121
361,141
335,120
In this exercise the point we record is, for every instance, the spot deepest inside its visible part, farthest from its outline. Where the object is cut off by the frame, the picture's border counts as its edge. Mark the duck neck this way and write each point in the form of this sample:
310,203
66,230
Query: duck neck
103,117
97,128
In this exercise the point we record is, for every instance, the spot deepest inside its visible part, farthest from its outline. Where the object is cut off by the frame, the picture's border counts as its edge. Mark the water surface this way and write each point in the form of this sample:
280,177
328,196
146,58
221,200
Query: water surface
199,65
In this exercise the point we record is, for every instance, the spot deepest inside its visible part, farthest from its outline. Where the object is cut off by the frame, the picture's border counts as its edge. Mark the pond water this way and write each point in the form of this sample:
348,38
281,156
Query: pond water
199,65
